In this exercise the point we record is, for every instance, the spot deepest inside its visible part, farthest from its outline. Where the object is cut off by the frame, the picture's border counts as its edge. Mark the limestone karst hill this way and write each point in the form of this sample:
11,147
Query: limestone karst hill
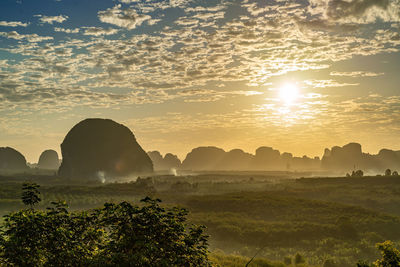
103,146
11,160
49,160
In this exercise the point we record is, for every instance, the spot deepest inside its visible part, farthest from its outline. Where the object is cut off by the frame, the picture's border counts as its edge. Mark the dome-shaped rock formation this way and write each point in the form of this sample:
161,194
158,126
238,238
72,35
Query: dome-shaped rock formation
203,158
157,159
49,160
11,160
172,161
102,145
168,162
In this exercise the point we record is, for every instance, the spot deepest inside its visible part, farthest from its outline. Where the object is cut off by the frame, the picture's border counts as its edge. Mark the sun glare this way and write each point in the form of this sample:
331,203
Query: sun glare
288,93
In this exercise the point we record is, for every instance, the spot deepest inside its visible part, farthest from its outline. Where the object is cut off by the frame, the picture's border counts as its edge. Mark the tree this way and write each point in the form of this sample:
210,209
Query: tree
151,236
116,235
30,194
287,260
395,173
362,263
299,259
390,255
329,263
388,172
53,237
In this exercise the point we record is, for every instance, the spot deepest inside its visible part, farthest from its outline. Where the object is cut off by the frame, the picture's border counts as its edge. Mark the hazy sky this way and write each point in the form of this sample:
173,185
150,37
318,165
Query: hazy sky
296,75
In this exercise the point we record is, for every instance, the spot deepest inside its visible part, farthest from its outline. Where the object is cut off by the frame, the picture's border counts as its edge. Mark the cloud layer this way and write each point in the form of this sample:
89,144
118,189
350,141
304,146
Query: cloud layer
182,53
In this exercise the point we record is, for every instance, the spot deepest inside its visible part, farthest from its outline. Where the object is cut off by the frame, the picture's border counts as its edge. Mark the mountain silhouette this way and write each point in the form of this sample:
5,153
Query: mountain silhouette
350,157
203,158
102,146
49,160
236,159
337,159
168,162
12,160
172,161
96,147
265,158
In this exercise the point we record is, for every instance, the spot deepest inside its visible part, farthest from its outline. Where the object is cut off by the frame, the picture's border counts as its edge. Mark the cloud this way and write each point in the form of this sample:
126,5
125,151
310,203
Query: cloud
13,24
327,83
29,37
125,18
194,50
52,19
356,11
129,1
325,25
58,29
97,31
207,95
356,74
219,47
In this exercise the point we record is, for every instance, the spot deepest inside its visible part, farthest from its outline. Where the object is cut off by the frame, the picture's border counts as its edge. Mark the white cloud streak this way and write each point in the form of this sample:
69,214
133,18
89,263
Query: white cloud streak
52,19
125,18
13,24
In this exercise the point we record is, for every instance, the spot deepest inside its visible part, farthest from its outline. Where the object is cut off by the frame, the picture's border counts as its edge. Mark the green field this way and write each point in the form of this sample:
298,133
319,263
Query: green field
325,220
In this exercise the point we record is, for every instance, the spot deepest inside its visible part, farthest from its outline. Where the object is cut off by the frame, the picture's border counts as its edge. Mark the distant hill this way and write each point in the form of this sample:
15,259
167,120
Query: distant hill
49,160
265,158
336,160
168,162
11,160
102,147
351,157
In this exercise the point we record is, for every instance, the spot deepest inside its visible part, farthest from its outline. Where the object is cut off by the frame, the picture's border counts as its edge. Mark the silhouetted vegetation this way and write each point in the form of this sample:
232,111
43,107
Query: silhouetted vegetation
390,256
114,235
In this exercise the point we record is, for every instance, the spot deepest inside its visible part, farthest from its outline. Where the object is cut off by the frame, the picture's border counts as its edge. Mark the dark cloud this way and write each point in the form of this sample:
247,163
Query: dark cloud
342,8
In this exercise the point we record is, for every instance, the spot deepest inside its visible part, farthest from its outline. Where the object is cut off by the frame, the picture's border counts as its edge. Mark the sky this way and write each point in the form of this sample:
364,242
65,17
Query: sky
298,76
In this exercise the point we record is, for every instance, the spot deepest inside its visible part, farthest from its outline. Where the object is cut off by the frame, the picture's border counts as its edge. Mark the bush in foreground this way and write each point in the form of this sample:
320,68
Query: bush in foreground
390,256
116,234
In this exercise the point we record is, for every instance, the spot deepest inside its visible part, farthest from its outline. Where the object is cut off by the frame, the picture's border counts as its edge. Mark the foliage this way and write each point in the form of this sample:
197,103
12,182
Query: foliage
388,172
287,216
390,255
287,260
151,236
117,234
49,238
329,263
30,194
299,259
362,263
220,259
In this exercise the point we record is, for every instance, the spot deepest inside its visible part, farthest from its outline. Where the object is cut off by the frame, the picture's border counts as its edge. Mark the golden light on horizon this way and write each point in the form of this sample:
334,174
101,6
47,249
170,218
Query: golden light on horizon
289,93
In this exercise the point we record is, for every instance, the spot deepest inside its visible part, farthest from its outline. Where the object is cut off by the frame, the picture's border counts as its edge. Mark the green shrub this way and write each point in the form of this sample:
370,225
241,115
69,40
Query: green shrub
299,259
115,235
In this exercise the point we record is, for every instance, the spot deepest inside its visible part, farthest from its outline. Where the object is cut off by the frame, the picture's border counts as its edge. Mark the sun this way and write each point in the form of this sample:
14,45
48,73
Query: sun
288,93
